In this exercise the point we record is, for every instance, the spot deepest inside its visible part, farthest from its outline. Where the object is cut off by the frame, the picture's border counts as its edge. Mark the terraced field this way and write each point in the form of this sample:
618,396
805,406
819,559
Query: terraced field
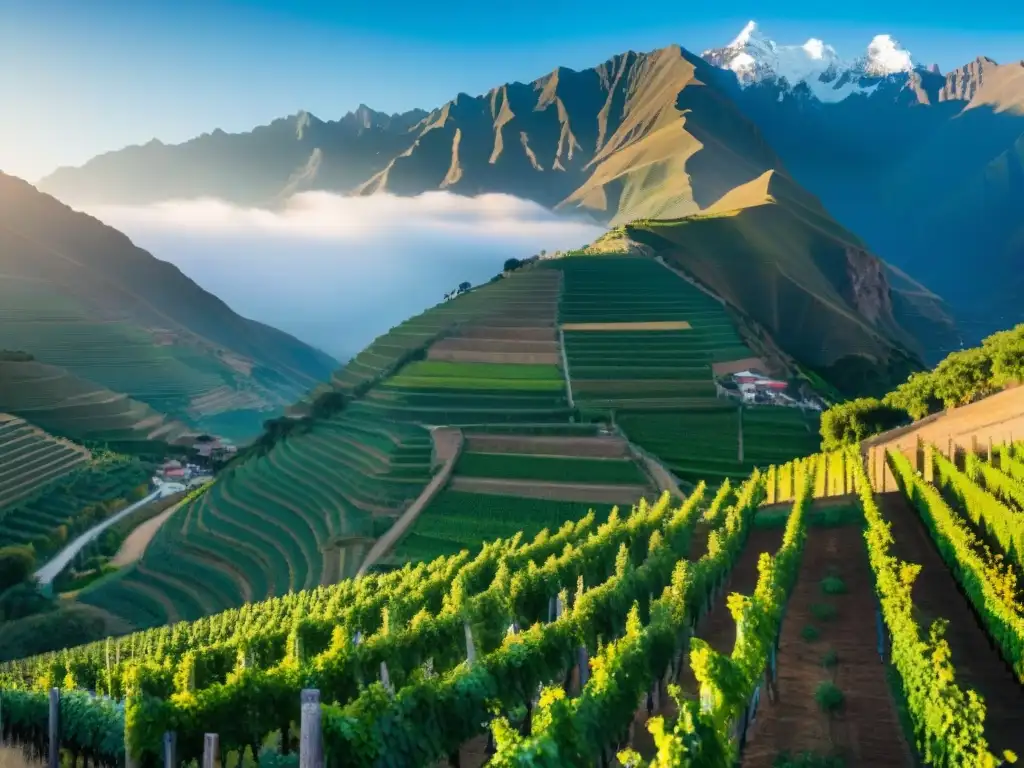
639,336
639,343
459,520
269,525
526,297
30,459
64,506
64,404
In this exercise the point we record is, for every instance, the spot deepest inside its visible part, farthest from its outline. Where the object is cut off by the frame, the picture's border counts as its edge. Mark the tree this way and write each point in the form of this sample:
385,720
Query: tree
463,287
511,265
855,420
16,564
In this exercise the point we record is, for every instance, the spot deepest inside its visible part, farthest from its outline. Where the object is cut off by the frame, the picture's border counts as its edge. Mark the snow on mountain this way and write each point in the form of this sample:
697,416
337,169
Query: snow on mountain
755,58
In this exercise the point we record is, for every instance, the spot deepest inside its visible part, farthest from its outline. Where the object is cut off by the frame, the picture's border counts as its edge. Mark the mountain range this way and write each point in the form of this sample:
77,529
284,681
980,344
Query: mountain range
902,158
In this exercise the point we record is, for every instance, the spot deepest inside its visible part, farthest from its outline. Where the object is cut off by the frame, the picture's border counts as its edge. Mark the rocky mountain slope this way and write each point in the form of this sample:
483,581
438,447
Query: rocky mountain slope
77,295
924,166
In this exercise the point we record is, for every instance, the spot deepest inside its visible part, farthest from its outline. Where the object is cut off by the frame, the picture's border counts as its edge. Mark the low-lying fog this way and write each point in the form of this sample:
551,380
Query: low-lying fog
337,271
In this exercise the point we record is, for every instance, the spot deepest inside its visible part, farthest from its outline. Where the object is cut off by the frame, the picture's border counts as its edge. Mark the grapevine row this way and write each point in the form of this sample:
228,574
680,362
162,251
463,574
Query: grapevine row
989,583
575,731
949,722
705,734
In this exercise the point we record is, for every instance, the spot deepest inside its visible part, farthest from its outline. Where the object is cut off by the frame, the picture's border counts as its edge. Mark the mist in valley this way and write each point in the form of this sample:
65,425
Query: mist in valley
337,271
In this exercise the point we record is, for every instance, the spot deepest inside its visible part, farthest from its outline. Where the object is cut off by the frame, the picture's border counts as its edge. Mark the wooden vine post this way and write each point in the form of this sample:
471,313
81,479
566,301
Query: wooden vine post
170,749
53,755
311,742
929,463
211,751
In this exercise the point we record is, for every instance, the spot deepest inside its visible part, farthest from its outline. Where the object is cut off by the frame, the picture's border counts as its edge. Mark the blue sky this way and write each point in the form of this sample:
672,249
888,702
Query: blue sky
79,77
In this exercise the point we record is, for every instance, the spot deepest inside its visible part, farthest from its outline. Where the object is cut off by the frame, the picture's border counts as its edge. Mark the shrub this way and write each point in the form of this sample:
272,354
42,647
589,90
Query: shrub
855,420
830,659
16,564
810,633
830,699
833,585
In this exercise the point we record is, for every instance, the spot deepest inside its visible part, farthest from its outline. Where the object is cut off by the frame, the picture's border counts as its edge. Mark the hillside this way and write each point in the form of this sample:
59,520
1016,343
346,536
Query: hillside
773,253
56,400
77,295
560,388
30,458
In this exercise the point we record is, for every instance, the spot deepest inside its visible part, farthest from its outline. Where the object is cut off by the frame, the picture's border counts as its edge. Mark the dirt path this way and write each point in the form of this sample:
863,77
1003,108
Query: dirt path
448,443
936,594
867,732
535,489
135,545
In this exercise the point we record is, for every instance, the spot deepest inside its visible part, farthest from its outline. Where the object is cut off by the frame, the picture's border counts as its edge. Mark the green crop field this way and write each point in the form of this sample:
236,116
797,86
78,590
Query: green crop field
694,445
636,369
510,466
772,434
456,520
59,510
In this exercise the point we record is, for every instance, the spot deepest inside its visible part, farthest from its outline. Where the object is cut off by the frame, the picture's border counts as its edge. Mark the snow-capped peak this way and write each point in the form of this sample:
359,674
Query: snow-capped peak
755,58
886,57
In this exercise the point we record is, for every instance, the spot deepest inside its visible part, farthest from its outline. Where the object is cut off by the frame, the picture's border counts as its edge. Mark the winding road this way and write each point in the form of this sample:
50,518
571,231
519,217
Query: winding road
49,572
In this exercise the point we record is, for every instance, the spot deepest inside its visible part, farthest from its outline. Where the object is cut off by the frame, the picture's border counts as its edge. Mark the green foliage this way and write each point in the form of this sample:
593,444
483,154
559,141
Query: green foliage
16,565
833,585
949,722
831,659
550,468
828,697
810,633
853,421
961,378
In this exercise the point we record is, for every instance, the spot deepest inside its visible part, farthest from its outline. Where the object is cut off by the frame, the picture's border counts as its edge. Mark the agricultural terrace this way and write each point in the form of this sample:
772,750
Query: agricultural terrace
271,524
115,354
722,441
502,301
59,510
30,459
64,404
637,335
533,480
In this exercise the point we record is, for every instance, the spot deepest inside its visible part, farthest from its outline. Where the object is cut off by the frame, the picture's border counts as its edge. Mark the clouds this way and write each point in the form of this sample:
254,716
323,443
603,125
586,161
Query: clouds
337,271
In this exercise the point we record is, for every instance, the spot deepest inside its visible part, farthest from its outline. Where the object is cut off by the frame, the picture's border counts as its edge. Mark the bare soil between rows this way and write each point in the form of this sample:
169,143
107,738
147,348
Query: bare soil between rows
937,595
867,730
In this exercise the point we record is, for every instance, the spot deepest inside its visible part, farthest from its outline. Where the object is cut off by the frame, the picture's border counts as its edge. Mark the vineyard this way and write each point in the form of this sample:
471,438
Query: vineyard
705,630
267,527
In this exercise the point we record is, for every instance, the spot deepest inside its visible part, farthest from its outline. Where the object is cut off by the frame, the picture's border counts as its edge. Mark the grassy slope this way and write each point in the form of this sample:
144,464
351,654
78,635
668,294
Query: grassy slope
775,255
79,295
